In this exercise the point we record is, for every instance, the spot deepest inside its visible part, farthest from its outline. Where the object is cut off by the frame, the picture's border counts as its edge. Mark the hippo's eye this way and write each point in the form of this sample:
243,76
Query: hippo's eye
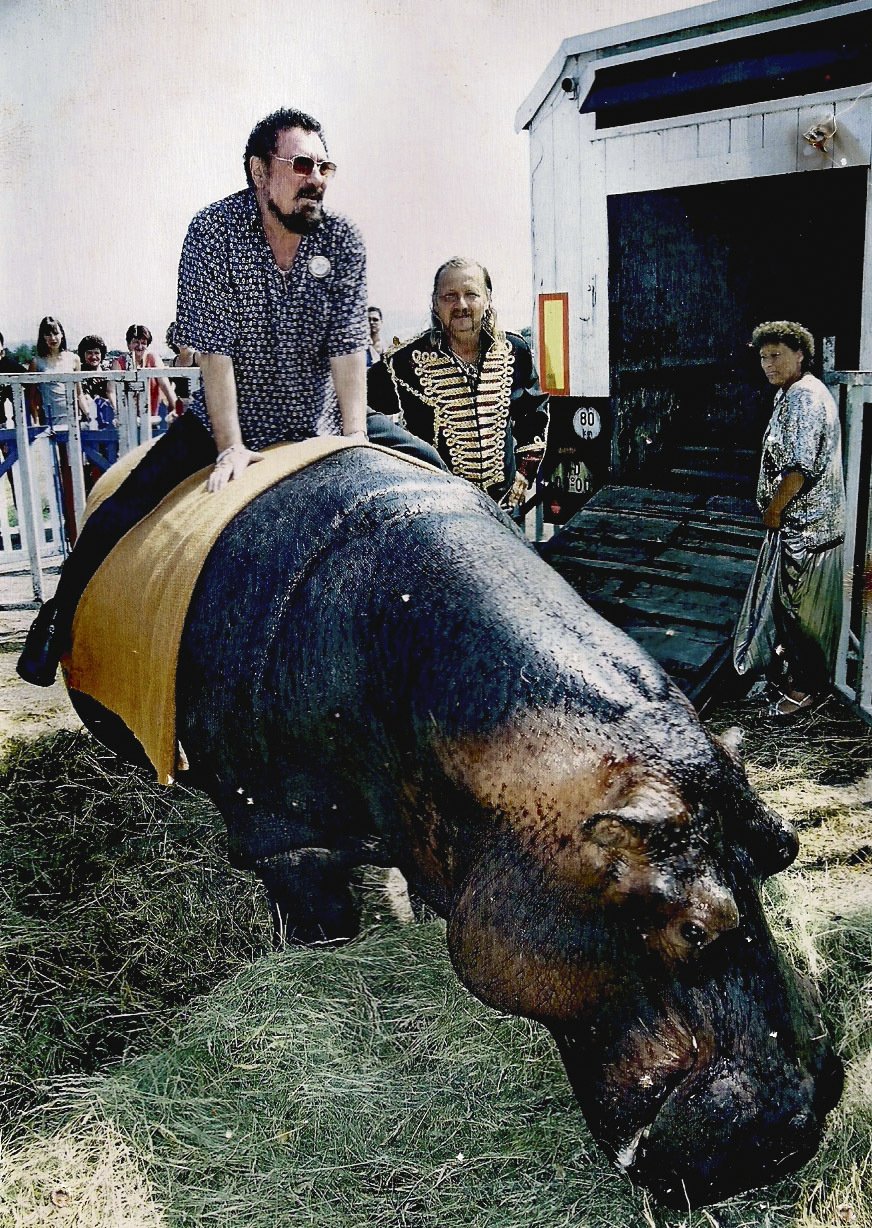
694,935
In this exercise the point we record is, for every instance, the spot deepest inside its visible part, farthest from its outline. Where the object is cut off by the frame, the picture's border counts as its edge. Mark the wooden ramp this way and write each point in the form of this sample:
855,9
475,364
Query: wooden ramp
668,567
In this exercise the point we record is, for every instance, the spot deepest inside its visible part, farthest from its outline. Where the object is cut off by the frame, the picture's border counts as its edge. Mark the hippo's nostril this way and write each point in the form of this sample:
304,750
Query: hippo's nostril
694,935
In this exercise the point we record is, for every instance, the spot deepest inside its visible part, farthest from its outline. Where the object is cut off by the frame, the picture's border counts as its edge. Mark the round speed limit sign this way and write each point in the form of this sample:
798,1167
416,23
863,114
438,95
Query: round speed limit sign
586,422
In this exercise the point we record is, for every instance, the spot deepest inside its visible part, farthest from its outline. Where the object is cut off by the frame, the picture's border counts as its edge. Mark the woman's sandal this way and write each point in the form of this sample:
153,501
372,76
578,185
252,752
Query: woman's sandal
762,694
786,709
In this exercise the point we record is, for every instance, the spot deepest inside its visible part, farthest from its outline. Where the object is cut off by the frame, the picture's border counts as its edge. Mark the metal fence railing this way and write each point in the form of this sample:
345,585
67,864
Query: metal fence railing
46,468
853,392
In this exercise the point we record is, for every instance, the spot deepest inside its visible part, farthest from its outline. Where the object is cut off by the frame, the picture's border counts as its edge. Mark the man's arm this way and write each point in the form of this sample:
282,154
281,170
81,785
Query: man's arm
219,387
349,379
206,315
348,332
529,414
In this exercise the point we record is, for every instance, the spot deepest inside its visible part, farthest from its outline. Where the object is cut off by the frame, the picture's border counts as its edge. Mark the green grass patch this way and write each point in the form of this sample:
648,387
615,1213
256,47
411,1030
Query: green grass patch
117,906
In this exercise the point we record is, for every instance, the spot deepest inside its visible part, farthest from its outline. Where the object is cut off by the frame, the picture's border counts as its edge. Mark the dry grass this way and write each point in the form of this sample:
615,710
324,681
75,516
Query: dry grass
164,1069
85,1174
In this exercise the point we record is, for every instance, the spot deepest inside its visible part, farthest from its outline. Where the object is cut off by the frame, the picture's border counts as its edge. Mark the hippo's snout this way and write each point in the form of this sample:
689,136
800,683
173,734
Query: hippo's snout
708,1144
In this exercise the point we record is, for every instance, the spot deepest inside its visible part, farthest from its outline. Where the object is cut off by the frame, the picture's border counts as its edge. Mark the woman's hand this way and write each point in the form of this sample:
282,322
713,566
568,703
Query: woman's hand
772,517
788,488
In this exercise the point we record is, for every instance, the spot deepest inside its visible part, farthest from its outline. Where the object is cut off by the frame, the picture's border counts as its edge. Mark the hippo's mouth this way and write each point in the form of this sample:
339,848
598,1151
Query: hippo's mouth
707,1144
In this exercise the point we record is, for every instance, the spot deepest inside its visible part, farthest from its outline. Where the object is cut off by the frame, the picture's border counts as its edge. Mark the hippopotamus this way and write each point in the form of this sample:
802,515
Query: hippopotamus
376,668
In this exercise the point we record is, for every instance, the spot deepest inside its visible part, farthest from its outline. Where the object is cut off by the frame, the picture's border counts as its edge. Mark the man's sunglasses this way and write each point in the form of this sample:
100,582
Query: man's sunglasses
302,165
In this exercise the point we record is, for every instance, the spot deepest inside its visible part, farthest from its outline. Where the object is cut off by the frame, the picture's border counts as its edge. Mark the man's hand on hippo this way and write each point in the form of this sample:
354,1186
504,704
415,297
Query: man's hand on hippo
231,463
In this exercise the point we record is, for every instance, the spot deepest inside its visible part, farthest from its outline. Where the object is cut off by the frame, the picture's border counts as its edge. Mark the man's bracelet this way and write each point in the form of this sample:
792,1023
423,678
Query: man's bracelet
228,452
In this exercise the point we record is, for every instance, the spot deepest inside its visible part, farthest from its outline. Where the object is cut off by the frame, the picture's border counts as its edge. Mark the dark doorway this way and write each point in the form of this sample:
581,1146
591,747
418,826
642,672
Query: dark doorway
692,270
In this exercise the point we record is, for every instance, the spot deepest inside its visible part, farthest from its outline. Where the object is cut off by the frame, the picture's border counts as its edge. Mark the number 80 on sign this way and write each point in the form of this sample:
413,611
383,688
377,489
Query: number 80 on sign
586,422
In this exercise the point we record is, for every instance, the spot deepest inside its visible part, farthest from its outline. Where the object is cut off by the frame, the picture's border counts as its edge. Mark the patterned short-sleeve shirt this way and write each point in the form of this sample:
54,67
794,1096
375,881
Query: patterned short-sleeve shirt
280,329
804,434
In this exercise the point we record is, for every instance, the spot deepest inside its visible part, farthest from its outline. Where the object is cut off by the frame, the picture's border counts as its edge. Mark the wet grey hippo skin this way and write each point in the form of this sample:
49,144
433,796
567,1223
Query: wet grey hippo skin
376,669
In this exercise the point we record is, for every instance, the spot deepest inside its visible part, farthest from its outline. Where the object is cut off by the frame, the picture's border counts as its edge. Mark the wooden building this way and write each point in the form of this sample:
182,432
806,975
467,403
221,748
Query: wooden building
691,175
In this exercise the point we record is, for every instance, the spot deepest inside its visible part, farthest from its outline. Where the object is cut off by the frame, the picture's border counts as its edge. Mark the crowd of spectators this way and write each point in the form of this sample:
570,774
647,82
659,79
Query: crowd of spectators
96,399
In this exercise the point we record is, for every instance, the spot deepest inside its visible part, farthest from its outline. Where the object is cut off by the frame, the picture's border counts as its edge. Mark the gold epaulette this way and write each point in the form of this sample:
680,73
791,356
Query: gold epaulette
397,344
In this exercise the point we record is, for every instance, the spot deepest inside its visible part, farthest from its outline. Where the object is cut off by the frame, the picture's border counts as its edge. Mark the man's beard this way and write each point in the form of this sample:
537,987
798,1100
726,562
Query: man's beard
297,223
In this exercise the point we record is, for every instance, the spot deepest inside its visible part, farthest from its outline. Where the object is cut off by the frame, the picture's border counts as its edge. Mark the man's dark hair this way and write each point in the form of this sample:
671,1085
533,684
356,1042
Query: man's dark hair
263,138
377,310
91,342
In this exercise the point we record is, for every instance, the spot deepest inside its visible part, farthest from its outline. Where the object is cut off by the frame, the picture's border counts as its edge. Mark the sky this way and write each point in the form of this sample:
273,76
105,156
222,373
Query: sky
121,118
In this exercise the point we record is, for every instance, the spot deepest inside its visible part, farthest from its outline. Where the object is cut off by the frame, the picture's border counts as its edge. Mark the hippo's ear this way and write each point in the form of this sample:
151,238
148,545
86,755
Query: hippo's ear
615,852
770,840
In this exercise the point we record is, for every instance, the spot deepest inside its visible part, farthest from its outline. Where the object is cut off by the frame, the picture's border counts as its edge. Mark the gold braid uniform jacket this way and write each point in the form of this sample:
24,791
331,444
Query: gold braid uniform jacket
476,425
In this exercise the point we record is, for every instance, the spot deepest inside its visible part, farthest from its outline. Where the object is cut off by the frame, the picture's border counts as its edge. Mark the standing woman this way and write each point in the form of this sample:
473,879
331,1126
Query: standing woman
790,621
183,356
49,405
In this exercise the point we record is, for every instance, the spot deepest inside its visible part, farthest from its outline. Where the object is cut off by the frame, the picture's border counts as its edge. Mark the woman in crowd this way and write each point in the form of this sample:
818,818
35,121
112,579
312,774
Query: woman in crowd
183,356
138,339
99,397
50,406
92,356
790,621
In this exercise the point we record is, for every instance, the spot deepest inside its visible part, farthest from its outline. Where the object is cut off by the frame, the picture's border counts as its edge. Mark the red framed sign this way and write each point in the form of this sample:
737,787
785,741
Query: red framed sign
554,343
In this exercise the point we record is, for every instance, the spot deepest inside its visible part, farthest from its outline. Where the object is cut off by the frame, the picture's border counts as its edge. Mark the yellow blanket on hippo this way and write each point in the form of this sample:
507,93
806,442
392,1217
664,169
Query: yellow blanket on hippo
129,622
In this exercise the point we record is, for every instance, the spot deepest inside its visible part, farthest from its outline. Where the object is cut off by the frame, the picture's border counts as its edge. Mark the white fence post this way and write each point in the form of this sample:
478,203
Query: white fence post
35,475
29,504
855,649
74,444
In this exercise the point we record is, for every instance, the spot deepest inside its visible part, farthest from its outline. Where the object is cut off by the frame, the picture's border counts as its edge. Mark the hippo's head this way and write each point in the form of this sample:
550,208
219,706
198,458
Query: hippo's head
624,912
713,1080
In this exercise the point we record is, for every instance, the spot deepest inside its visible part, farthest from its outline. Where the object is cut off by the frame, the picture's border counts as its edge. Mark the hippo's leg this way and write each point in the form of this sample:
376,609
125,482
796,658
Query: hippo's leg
308,883
310,895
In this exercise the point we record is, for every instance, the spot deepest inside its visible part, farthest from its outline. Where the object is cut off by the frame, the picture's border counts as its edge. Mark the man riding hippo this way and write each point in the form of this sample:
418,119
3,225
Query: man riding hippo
272,298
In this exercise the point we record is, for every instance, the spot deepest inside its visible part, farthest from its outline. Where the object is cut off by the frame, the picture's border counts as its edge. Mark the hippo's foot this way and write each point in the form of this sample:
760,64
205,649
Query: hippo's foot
310,897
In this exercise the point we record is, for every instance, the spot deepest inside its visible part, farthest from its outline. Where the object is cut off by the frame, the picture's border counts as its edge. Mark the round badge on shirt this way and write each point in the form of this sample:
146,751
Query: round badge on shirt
319,266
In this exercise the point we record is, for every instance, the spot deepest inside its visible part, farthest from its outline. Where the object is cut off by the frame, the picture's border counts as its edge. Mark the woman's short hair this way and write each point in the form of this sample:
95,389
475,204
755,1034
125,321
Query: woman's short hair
46,323
138,332
91,342
785,332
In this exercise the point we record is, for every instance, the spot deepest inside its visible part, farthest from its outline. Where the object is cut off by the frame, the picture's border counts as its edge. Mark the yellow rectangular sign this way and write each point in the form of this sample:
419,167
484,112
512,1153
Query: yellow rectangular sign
554,343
